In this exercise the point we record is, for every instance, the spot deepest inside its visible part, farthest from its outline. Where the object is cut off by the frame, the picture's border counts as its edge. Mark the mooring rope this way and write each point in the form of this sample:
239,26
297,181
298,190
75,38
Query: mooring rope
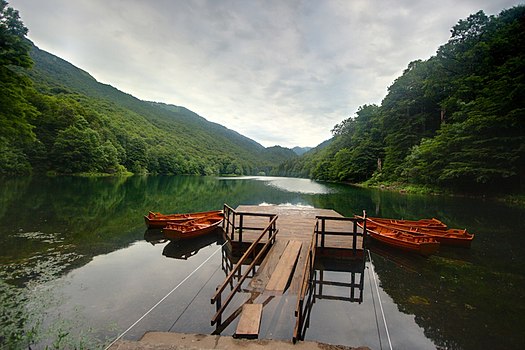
375,309
194,297
379,298
164,298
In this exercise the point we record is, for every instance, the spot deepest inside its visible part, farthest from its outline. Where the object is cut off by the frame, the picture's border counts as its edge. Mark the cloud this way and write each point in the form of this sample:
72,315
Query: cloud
280,72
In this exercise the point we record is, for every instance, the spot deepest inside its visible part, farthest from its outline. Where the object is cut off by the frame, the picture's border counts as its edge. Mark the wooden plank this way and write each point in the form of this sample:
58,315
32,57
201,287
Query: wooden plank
280,277
250,321
269,264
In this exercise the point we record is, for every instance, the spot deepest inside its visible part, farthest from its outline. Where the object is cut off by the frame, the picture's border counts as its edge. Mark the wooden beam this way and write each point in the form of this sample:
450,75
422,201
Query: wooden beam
280,277
250,321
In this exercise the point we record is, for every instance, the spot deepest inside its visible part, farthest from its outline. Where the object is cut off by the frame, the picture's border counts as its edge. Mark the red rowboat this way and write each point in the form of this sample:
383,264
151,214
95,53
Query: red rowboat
424,245
453,237
423,223
158,220
193,228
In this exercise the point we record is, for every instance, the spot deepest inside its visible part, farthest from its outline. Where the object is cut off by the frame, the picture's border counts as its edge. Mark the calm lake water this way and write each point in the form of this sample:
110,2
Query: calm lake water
78,266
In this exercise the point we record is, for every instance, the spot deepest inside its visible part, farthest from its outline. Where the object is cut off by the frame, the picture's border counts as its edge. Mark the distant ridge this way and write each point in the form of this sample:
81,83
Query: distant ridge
301,150
170,139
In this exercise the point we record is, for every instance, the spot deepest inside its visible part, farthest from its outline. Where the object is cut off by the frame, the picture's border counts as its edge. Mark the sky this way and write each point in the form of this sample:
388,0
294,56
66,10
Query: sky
280,72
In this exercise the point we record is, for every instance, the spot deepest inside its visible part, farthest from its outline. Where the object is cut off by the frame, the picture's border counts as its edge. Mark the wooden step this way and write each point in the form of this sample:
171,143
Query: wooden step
284,269
250,321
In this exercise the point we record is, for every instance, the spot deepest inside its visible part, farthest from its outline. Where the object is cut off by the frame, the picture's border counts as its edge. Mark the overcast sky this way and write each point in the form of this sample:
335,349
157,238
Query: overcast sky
280,72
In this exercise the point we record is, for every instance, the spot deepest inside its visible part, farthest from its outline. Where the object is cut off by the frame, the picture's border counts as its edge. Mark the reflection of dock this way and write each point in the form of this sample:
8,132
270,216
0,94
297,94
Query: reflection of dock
279,245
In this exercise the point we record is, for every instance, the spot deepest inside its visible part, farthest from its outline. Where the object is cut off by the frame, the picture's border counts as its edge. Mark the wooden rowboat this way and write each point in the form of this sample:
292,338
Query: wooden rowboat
453,236
424,245
193,228
158,220
423,223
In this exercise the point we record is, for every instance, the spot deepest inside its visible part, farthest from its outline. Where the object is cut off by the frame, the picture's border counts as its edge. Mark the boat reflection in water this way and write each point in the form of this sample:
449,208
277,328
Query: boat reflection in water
182,248
186,248
154,236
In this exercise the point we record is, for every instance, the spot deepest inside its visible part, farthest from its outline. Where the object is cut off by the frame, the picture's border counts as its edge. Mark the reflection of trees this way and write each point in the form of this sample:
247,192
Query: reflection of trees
10,189
461,306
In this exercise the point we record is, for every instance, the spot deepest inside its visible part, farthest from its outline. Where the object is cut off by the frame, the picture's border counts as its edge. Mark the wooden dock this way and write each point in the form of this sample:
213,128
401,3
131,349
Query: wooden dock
280,243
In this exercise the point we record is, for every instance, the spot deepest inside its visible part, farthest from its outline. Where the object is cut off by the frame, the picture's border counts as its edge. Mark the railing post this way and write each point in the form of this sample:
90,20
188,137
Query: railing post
323,226
233,226
354,238
240,227
217,308
364,229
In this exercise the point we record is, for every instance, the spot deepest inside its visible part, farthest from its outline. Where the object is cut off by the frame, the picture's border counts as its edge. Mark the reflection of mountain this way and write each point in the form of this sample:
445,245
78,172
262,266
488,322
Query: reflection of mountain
186,248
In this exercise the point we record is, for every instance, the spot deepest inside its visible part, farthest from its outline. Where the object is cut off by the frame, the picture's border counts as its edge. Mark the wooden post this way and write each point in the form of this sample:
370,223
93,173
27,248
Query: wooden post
354,238
233,227
240,227
217,308
322,232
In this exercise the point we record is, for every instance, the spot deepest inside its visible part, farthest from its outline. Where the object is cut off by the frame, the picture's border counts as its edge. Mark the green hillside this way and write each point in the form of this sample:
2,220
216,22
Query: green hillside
456,120
80,125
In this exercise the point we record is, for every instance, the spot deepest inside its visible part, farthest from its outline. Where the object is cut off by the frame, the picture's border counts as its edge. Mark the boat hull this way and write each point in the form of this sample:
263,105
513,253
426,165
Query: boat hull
451,237
423,223
424,245
159,221
192,229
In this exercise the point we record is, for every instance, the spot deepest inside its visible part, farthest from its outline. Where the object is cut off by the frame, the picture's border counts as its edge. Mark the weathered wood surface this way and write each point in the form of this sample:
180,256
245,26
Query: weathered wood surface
250,321
284,269
297,224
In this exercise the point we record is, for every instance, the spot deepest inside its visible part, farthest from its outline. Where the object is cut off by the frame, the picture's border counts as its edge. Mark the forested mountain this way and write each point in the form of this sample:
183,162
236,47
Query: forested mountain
456,120
301,150
57,118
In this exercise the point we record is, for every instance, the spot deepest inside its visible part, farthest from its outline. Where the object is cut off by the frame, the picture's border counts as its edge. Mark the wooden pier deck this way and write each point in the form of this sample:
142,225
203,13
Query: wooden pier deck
294,224
284,260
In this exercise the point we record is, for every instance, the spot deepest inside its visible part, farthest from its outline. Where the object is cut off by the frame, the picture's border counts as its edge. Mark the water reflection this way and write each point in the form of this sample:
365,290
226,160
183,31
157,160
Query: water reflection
155,236
186,248
70,225
336,280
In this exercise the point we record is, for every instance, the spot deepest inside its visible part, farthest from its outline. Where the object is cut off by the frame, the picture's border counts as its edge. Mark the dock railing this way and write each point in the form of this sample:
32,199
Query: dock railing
272,231
307,283
321,230
306,286
234,223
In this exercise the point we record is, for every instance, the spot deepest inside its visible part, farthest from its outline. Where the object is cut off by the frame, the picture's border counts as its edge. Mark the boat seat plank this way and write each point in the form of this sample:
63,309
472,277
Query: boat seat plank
249,324
284,269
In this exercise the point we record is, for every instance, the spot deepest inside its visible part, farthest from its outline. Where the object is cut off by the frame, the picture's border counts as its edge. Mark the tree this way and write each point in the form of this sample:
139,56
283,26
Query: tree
14,48
78,149
15,111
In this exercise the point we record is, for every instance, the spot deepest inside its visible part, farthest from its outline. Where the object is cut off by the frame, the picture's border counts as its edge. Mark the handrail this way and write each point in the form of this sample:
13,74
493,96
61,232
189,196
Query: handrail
231,222
305,283
354,232
308,270
271,228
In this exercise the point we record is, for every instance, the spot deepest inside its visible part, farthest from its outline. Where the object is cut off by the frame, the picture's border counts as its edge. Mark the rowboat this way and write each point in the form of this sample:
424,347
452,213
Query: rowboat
453,236
421,244
193,228
423,223
158,220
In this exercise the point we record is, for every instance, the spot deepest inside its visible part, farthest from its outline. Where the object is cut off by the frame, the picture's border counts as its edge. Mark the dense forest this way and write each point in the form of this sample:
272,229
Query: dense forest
453,121
56,118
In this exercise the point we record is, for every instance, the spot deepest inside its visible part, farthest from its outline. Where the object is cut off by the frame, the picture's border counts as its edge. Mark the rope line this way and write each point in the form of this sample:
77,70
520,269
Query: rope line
380,302
194,297
375,308
164,298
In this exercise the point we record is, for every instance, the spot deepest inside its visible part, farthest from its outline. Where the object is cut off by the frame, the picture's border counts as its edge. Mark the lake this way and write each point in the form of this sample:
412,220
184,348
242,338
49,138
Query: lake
78,266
